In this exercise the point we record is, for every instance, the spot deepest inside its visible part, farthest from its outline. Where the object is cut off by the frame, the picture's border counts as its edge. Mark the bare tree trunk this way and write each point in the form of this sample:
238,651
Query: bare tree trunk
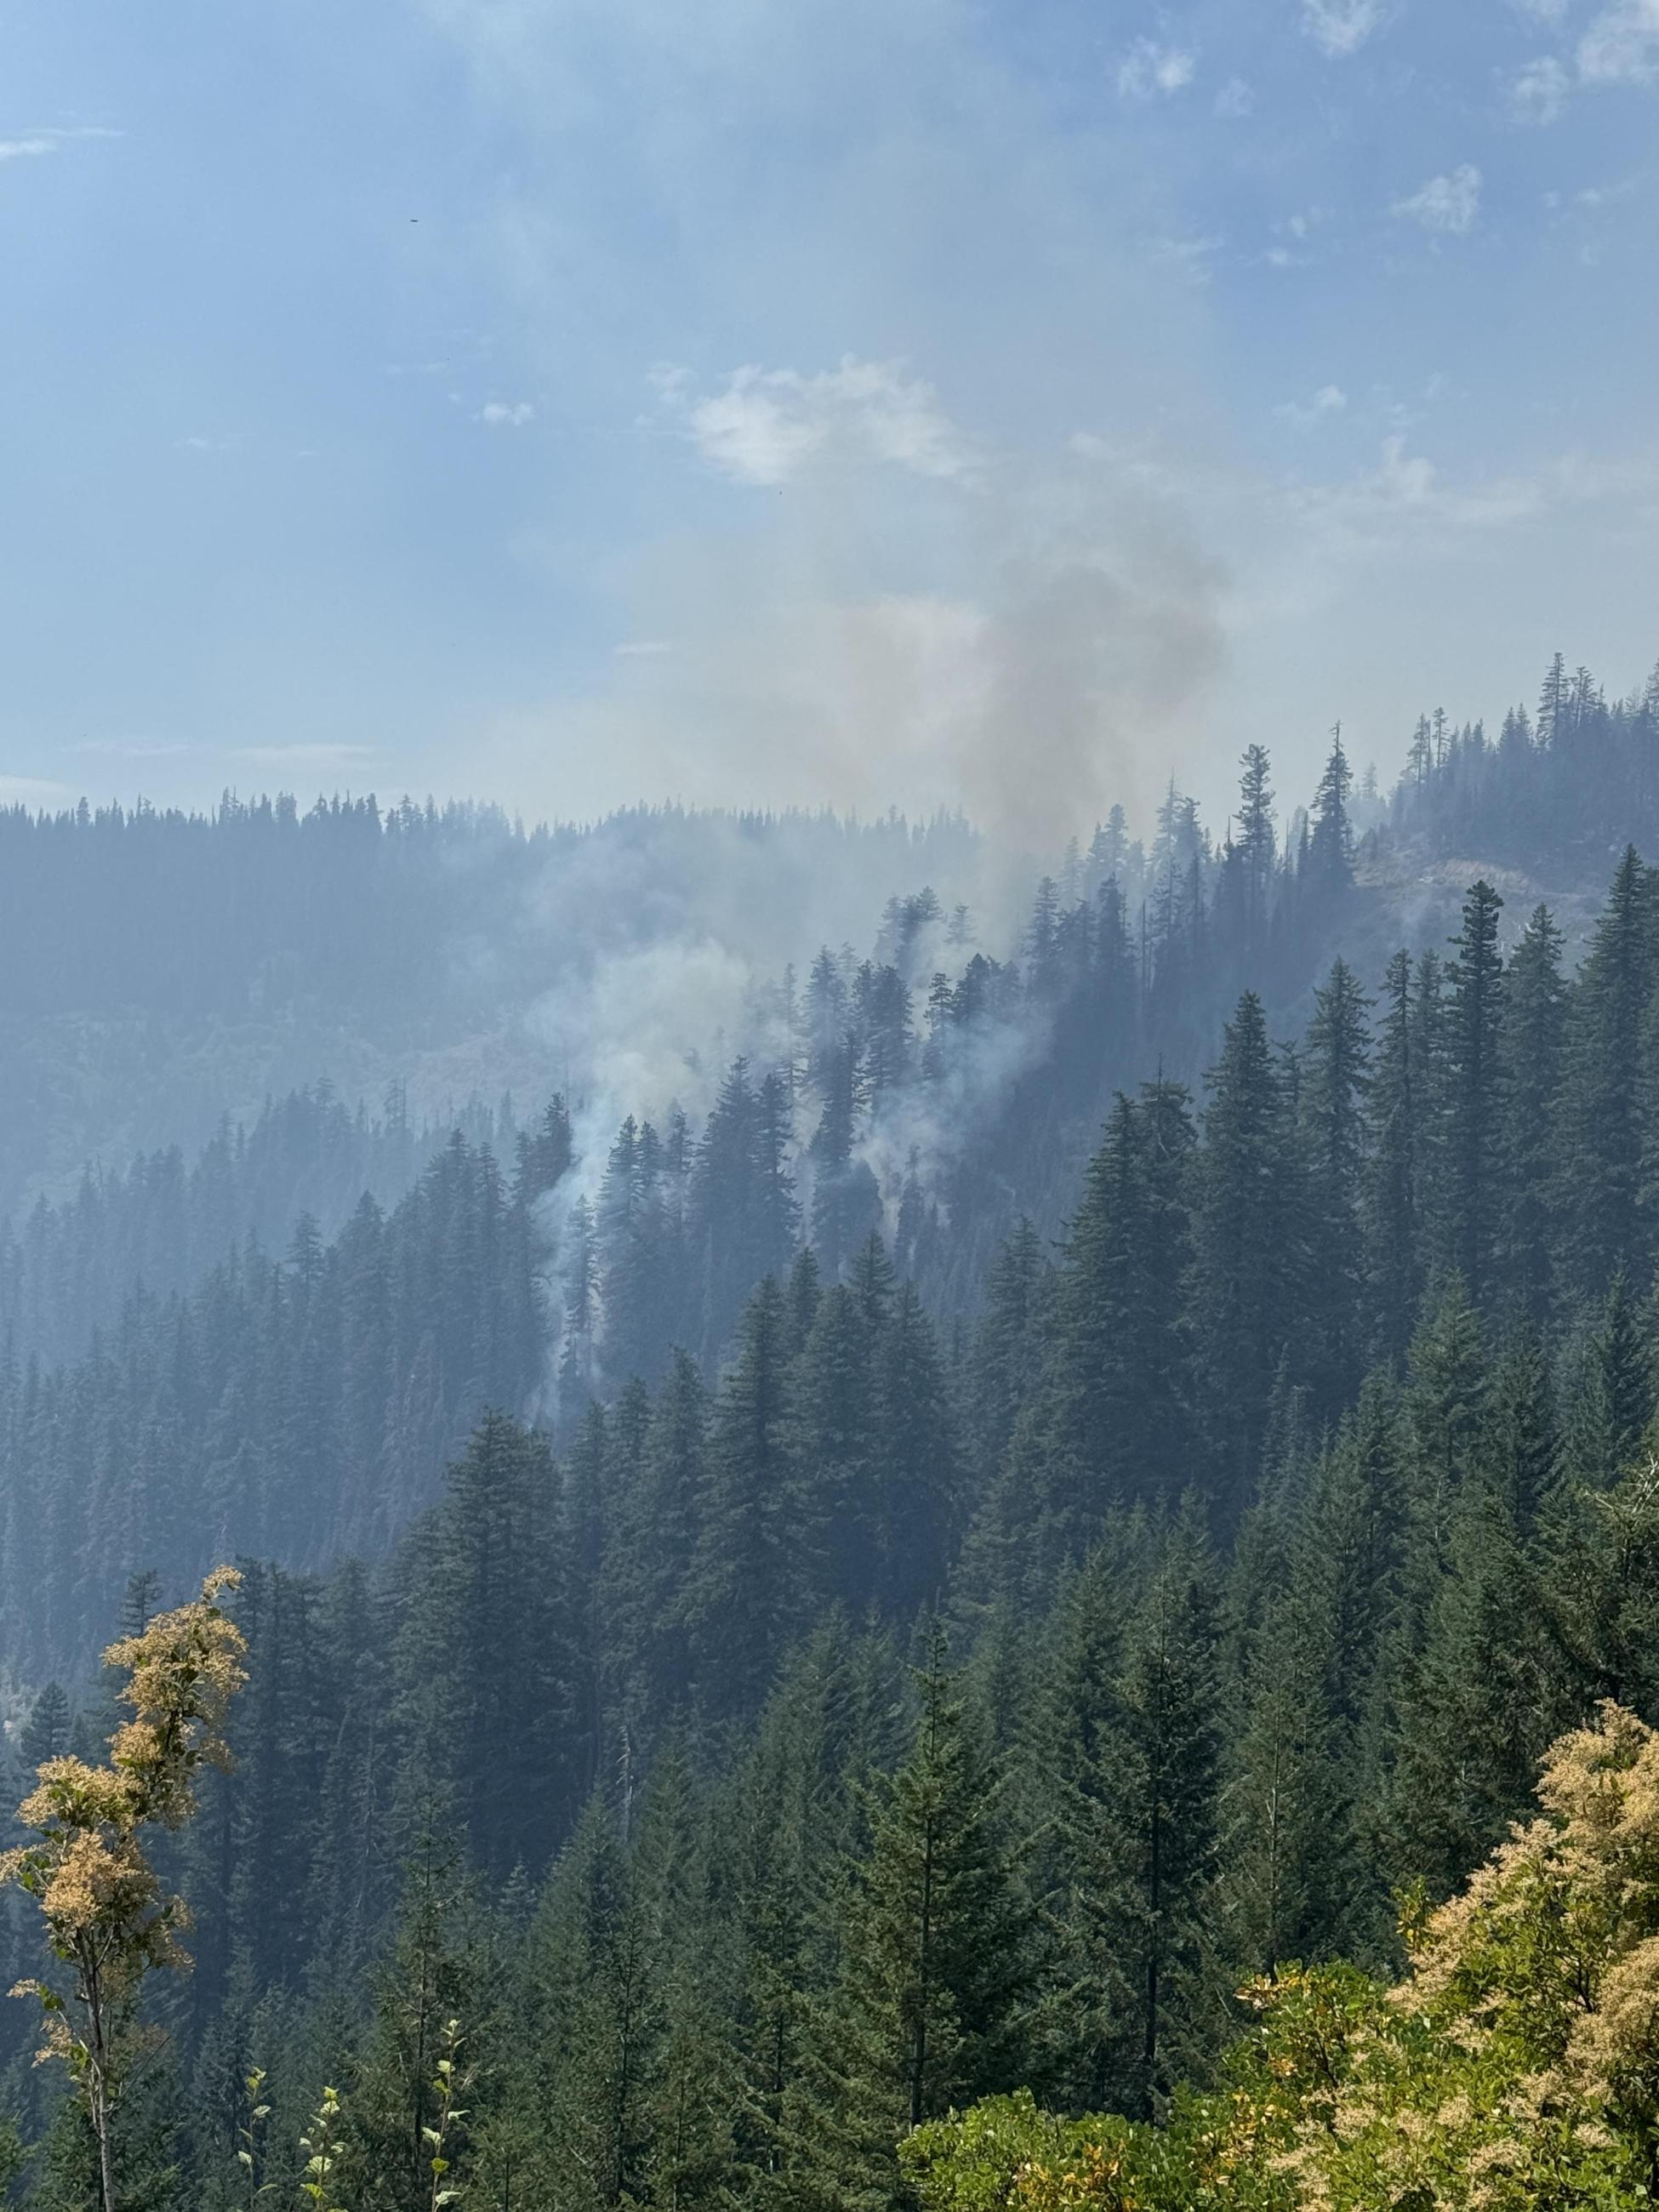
98,2088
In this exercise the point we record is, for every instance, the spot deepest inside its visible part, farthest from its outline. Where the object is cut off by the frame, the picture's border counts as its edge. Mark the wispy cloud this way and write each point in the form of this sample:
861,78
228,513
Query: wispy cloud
1330,399
1150,71
1234,99
1194,256
769,424
1447,206
500,415
1341,26
642,648
30,144
1540,90
1621,46
1407,491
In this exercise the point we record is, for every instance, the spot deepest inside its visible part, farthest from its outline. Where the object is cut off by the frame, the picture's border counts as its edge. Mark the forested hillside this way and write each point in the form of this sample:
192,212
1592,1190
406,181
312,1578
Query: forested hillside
169,968
1082,1475
163,1223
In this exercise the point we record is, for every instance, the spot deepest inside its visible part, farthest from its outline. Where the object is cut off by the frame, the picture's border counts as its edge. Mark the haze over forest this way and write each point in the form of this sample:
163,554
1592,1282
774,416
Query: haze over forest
830,1107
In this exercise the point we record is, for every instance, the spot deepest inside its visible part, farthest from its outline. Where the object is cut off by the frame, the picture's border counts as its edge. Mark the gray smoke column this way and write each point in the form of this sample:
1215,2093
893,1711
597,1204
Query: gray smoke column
1097,660
889,613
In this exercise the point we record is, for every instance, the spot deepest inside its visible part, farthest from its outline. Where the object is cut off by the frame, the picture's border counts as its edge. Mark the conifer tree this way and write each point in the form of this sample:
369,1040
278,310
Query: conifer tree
431,1975
1074,1756
1112,1415
1445,1401
1601,1582
916,1461
1393,1212
1283,1831
1474,1111
652,1548
1611,1396
1169,1815
746,1572
1249,1256
1602,1211
924,2010
1533,1036
46,1733
1008,1350
1519,1450
600,2013
1333,1107
1330,852
1345,1589
1474,1706
489,1662
1255,840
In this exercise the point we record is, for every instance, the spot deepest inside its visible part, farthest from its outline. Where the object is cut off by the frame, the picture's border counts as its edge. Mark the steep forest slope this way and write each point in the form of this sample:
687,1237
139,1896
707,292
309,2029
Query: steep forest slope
1108,1460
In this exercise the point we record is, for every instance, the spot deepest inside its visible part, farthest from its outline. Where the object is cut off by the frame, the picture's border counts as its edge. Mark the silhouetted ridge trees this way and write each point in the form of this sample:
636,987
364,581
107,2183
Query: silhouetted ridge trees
67,1268
1557,791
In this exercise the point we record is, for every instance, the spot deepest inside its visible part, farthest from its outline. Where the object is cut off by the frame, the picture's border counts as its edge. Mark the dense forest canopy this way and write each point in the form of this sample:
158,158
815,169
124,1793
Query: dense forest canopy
1039,1486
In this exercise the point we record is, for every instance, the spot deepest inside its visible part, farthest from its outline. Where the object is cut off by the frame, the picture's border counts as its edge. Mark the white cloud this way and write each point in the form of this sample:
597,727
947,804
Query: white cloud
1448,205
1407,488
1195,257
1540,90
35,142
1149,71
1621,46
1601,196
497,415
1235,98
1341,26
642,648
769,424
1329,399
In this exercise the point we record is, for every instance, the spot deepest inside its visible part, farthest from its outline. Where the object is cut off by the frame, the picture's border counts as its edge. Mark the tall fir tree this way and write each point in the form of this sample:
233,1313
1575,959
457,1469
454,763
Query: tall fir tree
1475,1103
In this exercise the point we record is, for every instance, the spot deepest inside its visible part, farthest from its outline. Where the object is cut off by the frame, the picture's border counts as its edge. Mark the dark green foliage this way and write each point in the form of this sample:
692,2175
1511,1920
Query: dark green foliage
601,1743
1335,1082
1533,1039
1473,1097
1604,1218
1394,1216
924,2009
745,1577
1250,1252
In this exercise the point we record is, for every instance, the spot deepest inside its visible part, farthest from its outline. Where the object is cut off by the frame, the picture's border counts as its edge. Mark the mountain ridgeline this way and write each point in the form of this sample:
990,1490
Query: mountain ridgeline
1078,1479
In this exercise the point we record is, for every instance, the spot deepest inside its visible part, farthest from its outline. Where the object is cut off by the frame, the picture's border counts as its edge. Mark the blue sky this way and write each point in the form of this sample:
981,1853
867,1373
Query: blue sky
888,401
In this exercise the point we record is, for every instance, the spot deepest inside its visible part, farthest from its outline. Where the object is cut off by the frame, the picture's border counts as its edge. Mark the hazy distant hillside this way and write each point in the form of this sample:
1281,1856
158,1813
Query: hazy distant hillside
164,969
